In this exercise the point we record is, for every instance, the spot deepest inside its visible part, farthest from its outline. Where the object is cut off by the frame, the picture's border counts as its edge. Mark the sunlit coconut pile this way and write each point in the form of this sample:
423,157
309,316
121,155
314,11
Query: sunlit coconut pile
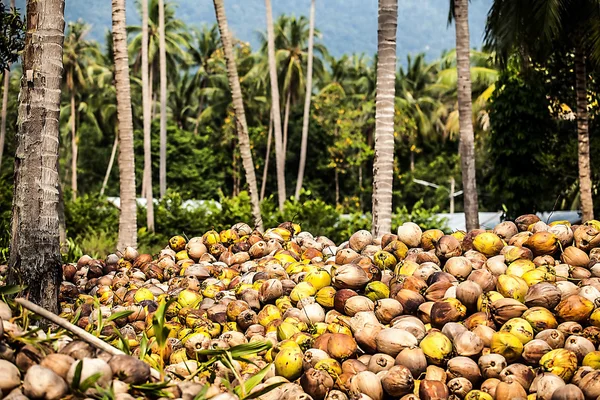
505,314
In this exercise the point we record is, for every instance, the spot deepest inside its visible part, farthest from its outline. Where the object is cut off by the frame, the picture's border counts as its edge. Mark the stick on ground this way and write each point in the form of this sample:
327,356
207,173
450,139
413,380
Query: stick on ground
74,329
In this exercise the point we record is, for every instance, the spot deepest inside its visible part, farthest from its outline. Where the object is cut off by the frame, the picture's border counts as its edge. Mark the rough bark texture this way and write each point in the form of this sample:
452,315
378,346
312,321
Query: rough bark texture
74,147
279,149
162,52
465,111
147,122
127,218
263,186
383,166
35,249
6,86
583,137
110,163
240,114
307,98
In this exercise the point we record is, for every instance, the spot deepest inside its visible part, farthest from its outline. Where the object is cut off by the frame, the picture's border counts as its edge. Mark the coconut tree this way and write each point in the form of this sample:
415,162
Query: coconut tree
307,97
291,50
240,115
146,105
127,218
383,165
532,29
275,111
77,54
459,12
35,258
162,51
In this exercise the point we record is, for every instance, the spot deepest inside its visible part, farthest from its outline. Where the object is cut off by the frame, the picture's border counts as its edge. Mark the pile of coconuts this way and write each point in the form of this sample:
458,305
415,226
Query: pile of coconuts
510,313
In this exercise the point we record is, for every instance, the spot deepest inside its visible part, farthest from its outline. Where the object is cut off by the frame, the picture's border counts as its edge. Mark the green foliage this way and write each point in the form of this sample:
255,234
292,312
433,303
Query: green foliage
526,145
12,36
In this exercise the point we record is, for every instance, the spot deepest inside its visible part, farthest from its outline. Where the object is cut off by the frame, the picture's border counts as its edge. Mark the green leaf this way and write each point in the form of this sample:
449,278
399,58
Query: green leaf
124,342
253,381
264,390
90,381
247,349
119,314
143,346
77,376
202,393
11,289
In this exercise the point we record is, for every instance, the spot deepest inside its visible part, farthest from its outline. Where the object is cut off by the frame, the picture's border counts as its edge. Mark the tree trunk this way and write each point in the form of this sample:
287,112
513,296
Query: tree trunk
147,122
200,108
307,98
279,149
110,163
383,166
337,187
286,121
267,156
35,258
62,224
583,137
74,147
151,94
4,111
240,114
128,218
162,50
465,111
412,160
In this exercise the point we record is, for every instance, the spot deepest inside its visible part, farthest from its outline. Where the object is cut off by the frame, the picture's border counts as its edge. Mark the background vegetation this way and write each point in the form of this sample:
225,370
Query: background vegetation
526,144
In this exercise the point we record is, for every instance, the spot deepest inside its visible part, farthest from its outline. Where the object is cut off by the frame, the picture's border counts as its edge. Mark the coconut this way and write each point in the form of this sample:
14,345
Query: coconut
43,383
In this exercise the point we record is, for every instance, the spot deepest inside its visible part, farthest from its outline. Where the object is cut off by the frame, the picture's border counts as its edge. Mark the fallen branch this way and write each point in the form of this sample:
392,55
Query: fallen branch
74,329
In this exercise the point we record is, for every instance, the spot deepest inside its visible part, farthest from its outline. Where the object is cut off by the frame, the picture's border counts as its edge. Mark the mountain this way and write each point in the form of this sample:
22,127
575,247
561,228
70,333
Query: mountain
347,26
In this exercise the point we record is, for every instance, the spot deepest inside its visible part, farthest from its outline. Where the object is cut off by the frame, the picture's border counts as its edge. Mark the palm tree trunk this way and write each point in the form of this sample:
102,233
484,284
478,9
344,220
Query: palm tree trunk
337,187
162,178
4,103
383,166
128,218
74,148
307,98
286,121
110,163
147,122
263,186
279,148
583,137
151,94
200,108
465,111
240,114
4,111
35,259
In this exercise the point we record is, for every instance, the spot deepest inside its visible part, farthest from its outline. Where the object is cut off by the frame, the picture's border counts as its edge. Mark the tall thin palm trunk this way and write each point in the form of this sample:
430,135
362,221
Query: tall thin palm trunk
286,121
162,52
111,161
4,103
74,147
240,114
263,186
583,137
4,112
35,259
383,166
465,111
307,98
279,149
147,122
127,218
